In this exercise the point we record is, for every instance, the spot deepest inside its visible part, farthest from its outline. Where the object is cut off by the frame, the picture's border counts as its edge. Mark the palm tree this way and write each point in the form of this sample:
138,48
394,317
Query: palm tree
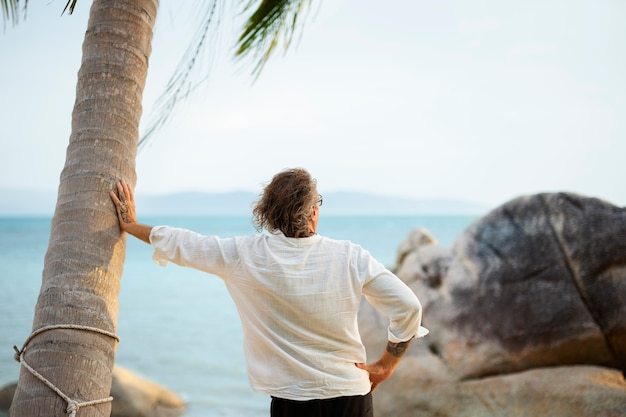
84,261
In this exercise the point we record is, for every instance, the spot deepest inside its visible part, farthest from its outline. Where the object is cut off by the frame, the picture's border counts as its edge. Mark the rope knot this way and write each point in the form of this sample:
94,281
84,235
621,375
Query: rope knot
18,354
72,408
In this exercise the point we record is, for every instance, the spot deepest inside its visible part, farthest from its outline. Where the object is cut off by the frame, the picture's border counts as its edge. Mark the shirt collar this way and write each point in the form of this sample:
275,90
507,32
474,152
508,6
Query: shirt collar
296,241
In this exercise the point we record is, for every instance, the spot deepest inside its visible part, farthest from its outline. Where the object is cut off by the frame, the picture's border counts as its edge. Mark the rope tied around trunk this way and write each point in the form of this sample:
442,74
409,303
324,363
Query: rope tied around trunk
72,405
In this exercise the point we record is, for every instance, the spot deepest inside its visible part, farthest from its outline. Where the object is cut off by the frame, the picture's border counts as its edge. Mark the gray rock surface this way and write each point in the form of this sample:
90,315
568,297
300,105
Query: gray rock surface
527,314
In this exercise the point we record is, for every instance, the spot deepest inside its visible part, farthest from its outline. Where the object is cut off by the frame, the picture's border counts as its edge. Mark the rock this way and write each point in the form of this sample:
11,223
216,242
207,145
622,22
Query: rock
133,396
581,391
6,397
540,281
527,314
417,238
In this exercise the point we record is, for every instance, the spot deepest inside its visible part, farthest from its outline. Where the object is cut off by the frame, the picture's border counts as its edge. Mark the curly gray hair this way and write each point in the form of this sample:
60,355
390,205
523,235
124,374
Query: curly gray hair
286,203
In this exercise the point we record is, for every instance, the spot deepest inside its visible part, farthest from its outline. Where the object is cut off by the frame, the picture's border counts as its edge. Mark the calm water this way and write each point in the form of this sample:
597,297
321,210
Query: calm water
178,326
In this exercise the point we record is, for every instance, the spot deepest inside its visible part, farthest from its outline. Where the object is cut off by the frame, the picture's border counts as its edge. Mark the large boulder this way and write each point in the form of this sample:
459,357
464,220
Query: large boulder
565,391
527,310
133,396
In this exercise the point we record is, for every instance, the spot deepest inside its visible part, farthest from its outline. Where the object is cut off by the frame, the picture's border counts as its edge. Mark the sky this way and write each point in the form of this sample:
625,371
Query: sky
480,100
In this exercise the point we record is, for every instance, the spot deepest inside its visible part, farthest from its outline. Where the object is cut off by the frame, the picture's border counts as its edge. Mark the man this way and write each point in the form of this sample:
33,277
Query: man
298,296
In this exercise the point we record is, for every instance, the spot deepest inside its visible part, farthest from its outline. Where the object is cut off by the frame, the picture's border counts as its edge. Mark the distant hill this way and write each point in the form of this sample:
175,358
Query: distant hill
347,202
34,203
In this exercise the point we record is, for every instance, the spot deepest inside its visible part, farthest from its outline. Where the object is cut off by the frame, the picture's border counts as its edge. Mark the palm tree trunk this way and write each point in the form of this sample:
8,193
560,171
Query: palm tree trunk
84,261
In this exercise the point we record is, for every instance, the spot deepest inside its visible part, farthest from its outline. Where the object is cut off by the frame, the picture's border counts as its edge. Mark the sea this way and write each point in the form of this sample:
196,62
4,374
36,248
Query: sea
177,326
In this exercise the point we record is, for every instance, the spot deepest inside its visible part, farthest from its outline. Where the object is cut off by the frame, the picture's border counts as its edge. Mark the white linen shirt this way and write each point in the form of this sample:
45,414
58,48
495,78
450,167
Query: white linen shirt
298,300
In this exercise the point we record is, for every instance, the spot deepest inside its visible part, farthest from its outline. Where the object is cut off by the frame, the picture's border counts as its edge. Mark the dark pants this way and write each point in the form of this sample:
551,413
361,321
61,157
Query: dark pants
354,406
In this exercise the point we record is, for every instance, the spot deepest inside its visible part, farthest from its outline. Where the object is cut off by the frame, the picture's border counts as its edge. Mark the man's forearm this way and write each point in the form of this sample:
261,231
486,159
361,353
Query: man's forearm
394,353
398,349
383,368
140,231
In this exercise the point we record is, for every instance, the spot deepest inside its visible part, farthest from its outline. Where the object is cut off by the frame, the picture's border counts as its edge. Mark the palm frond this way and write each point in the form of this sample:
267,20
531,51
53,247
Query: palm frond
10,10
261,35
69,6
181,83
271,20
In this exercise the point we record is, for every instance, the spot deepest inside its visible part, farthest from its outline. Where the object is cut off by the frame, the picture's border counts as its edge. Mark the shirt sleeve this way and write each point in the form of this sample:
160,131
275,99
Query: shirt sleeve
394,299
190,249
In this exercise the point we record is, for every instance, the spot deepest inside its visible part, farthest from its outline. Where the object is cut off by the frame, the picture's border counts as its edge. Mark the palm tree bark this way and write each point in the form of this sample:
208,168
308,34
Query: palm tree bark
84,261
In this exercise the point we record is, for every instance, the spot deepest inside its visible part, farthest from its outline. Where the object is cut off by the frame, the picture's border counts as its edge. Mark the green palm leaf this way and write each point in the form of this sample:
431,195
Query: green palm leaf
10,10
271,20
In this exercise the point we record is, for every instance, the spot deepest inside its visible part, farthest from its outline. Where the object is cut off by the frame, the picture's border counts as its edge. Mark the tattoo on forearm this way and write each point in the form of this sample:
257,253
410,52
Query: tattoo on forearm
397,349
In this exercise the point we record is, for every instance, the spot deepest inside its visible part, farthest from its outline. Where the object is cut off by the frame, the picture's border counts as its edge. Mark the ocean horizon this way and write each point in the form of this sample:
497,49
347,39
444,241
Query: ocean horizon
177,326
29,203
